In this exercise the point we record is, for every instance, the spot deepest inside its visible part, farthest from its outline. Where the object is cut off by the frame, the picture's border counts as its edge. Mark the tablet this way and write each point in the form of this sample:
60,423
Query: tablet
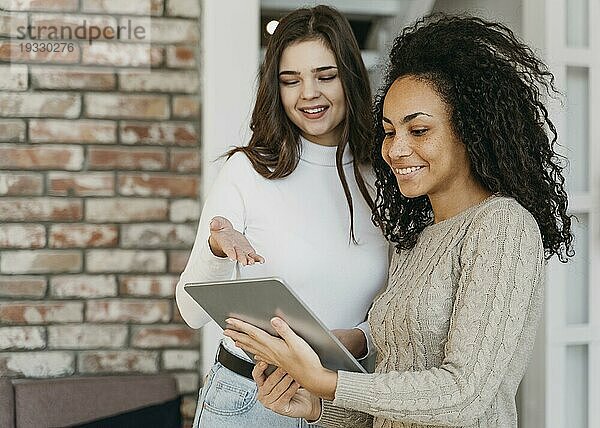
256,301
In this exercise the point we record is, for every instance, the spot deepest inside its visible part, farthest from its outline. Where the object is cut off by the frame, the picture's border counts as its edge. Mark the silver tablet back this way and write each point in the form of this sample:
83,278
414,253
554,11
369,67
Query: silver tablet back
256,301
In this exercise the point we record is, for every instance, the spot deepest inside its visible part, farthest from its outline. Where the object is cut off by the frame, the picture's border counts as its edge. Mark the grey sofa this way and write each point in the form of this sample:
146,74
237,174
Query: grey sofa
61,402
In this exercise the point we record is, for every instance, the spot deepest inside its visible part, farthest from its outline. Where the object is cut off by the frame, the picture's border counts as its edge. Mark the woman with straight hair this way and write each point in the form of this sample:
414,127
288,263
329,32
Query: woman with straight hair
295,203
471,192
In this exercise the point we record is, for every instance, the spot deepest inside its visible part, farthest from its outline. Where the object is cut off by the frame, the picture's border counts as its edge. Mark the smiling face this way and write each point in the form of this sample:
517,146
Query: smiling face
311,91
420,145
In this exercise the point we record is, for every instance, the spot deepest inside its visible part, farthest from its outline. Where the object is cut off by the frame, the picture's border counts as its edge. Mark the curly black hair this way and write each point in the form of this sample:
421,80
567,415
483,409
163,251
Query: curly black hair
493,86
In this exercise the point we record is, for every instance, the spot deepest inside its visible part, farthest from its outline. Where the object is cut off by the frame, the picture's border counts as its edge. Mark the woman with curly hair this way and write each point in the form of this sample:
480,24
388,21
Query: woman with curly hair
471,192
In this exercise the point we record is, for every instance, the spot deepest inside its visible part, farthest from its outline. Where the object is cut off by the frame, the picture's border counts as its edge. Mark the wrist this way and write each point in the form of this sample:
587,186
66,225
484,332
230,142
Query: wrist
361,343
328,384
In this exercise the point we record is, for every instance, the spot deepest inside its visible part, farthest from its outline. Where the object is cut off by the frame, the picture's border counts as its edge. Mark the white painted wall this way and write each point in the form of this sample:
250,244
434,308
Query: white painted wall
508,12
230,59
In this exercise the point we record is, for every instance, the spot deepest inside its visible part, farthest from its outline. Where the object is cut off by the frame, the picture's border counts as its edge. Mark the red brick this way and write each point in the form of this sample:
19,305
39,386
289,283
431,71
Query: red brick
159,81
39,104
80,184
149,159
158,185
37,364
179,133
43,23
167,30
67,78
20,184
127,361
10,22
179,359
41,157
177,260
131,261
163,337
185,160
12,130
73,131
121,54
125,210
86,336
160,286
185,107
83,286
145,7
83,236
150,235
183,8
22,338
14,77
181,57
22,235
126,106
121,310
22,286
40,261
40,209
40,313
39,5
183,210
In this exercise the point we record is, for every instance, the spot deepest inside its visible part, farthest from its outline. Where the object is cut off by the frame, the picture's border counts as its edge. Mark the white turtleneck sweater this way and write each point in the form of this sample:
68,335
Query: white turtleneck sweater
300,224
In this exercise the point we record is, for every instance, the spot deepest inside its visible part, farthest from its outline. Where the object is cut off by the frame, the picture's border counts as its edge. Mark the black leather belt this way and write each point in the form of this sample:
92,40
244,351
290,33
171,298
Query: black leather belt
234,363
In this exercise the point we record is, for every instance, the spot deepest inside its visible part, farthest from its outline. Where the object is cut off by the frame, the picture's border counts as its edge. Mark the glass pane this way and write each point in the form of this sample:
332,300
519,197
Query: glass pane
577,288
576,394
577,23
578,128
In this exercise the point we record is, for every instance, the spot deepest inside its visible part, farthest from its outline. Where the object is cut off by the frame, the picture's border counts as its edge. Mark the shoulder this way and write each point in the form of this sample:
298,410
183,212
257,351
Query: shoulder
239,160
235,173
505,210
505,217
238,166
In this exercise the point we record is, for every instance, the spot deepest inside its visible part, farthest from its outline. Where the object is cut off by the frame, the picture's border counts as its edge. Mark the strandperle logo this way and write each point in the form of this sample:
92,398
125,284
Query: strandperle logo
82,32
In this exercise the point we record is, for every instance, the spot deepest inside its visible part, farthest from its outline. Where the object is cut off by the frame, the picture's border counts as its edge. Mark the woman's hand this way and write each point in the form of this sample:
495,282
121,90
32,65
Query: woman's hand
353,339
281,394
225,241
287,351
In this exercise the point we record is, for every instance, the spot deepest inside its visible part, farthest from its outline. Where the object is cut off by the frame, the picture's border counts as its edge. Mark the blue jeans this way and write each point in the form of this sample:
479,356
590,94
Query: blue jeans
228,400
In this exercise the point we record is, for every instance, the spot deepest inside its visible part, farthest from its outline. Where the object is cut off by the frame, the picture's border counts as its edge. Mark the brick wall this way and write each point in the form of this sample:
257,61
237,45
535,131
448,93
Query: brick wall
99,185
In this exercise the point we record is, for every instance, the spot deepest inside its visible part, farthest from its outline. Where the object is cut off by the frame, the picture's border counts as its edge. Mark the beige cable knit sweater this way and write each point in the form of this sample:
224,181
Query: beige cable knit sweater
455,327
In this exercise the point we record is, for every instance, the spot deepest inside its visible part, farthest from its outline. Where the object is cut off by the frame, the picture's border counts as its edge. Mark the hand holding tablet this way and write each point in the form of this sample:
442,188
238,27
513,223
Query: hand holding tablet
257,301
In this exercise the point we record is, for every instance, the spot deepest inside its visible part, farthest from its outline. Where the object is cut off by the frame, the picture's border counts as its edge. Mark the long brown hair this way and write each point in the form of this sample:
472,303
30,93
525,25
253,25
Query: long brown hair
274,147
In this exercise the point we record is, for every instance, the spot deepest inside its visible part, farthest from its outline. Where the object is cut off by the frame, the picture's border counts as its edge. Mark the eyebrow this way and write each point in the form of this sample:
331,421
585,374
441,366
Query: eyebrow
314,70
407,118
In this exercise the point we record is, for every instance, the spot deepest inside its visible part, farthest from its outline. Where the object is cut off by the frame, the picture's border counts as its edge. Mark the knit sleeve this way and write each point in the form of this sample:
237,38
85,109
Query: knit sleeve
226,199
337,417
499,290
